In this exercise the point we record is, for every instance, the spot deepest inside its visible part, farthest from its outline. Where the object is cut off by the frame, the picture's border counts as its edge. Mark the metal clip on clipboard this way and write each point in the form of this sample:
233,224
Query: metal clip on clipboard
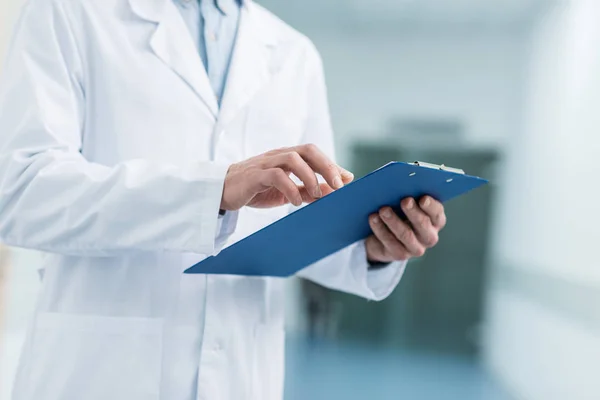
440,167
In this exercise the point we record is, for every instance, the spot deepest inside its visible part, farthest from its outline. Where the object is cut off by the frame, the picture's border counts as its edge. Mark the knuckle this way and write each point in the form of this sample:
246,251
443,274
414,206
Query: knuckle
260,161
431,240
255,172
406,236
434,239
311,147
272,172
271,152
442,219
419,252
293,157
278,173
391,221
331,171
386,236
382,234
434,207
410,213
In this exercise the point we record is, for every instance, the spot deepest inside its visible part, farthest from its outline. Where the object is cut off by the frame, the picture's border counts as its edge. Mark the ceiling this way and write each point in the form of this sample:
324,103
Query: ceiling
408,14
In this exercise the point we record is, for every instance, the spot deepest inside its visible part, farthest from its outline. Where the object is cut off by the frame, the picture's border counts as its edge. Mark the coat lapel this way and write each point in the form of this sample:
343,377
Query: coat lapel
251,64
173,44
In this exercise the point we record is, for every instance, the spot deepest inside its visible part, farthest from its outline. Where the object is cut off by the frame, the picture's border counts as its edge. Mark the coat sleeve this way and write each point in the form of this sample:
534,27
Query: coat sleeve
348,269
53,199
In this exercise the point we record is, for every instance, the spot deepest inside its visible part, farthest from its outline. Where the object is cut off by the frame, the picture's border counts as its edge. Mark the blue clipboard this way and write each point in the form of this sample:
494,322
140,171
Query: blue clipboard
334,221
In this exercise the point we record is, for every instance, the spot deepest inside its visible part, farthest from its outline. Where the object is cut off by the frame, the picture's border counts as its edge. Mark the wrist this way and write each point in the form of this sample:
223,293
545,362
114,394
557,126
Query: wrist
374,252
375,258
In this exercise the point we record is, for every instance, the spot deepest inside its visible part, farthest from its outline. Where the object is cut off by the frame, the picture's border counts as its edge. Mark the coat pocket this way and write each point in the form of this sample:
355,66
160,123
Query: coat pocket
94,358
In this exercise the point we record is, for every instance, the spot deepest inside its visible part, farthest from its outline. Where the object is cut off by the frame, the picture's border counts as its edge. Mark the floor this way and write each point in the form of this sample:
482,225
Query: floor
351,371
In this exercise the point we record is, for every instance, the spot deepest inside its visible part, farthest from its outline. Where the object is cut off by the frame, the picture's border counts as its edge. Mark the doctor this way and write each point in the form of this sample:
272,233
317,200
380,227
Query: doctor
139,136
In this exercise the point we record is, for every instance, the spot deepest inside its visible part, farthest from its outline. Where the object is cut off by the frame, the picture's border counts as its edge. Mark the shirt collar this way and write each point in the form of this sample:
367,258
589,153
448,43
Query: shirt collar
225,6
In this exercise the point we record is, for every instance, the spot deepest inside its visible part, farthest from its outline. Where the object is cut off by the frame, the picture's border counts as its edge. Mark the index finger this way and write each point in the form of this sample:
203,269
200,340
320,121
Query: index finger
333,174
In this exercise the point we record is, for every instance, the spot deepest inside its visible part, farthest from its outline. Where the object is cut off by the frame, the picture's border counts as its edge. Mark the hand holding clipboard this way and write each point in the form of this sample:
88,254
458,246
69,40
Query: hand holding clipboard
291,244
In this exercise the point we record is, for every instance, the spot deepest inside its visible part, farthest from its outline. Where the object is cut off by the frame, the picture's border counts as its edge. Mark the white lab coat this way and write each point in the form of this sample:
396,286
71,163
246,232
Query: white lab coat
112,160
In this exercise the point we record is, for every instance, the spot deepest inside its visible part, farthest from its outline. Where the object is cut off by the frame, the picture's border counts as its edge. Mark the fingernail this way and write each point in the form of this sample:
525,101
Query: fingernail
409,204
348,173
387,213
375,219
426,202
337,182
317,193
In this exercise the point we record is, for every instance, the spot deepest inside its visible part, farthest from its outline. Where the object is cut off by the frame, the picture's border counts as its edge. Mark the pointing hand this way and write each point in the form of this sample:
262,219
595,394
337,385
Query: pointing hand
264,181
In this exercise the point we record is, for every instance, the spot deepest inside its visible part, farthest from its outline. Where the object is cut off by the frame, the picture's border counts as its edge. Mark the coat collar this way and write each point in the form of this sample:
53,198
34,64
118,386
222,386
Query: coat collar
253,63
251,60
172,43
150,10
153,10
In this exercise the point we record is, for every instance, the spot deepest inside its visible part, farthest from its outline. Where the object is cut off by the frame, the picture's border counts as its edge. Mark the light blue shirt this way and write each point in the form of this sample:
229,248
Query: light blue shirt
213,25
